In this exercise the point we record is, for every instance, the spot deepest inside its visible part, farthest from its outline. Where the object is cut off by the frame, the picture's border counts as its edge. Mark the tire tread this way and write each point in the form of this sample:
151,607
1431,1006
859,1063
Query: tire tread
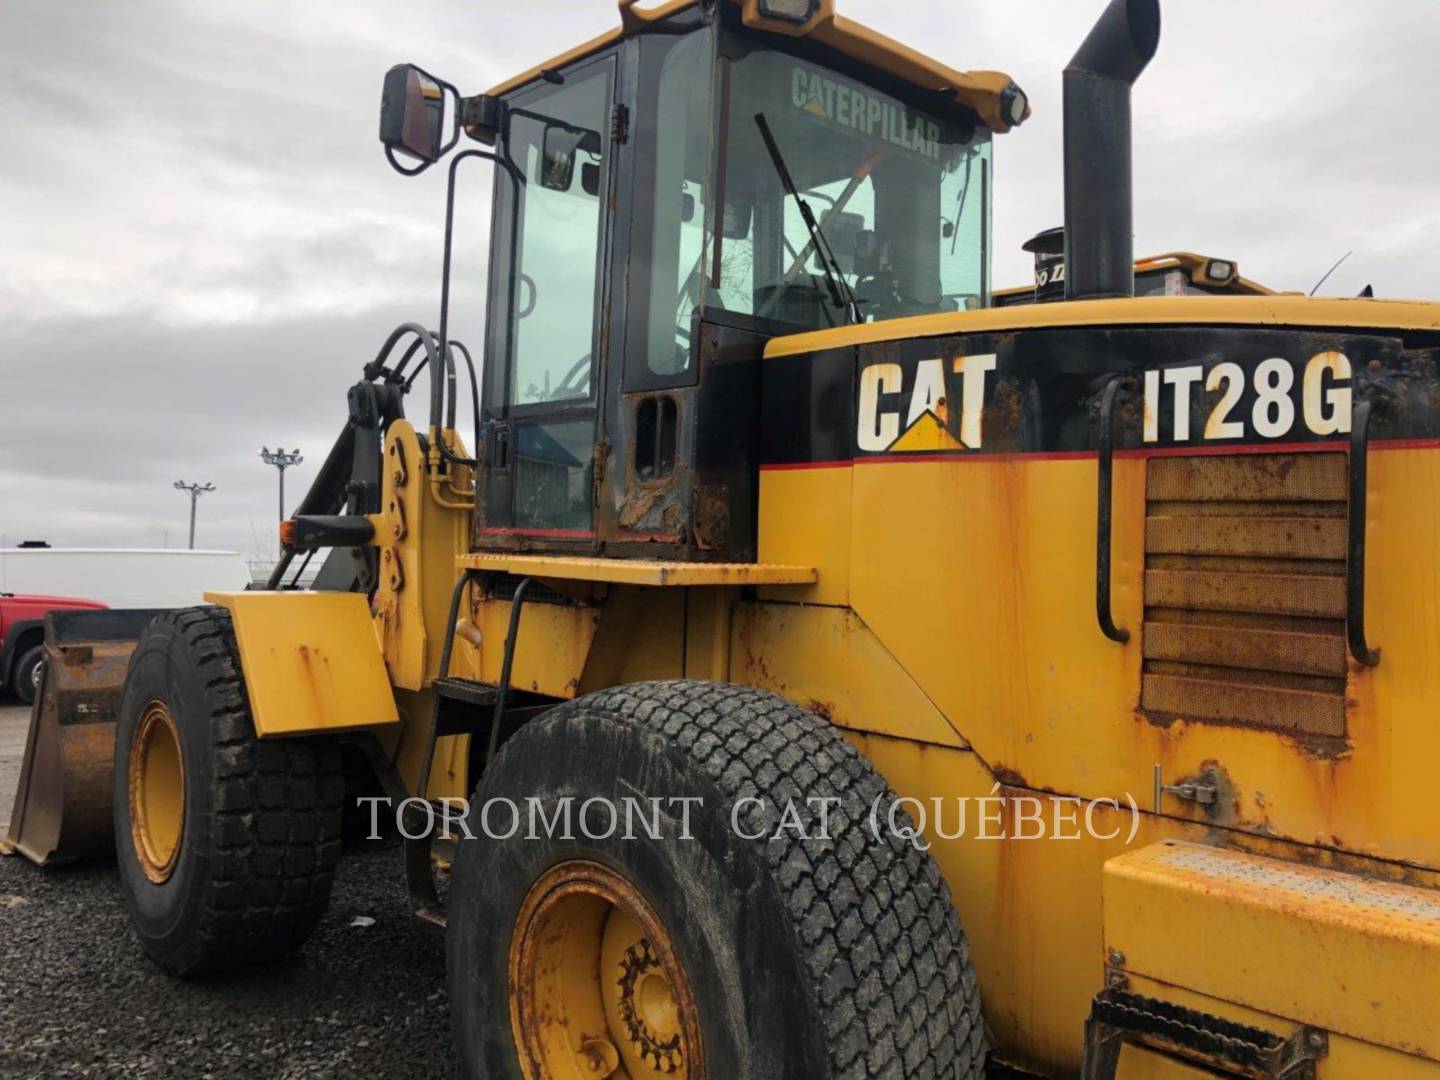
274,829
888,964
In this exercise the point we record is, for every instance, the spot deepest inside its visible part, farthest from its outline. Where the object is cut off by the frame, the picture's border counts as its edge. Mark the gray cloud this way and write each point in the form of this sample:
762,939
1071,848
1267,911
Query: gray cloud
200,244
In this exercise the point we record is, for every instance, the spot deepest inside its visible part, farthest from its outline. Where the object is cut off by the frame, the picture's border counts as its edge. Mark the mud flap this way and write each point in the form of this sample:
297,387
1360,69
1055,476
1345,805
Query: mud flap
62,804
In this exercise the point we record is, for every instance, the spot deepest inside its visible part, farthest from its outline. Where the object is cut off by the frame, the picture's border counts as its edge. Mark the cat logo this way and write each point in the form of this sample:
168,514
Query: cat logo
872,115
926,401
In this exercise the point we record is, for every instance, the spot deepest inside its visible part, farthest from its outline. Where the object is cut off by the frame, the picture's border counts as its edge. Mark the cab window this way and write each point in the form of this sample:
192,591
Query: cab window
901,195
673,147
548,240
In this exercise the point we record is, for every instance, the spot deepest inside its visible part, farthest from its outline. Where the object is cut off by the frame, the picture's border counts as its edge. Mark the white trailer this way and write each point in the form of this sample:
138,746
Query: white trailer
140,578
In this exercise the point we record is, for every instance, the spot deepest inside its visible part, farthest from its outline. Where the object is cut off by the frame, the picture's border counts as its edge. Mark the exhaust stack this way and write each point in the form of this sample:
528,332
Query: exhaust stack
1099,215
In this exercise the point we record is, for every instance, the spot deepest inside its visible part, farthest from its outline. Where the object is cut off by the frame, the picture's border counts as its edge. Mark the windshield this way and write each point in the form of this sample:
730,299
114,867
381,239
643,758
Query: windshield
901,196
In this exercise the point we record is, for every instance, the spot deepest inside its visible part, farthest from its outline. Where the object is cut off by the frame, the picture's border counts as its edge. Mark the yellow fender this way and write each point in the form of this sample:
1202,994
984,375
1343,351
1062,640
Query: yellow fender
311,660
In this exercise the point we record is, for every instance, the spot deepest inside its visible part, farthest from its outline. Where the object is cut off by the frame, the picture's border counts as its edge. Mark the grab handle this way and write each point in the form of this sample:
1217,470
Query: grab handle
1103,515
1355,548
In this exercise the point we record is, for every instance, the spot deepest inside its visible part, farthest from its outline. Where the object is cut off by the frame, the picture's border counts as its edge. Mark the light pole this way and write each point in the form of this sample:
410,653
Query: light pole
282,460
194,491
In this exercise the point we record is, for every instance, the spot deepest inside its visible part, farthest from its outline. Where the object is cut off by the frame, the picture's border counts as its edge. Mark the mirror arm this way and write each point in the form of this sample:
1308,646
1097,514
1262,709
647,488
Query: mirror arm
553,121
481,116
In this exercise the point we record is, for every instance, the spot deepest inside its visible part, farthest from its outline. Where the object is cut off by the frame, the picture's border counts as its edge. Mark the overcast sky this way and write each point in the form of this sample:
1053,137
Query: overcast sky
200,243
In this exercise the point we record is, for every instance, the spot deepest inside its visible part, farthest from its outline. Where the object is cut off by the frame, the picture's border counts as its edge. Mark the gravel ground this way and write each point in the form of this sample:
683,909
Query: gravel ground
78,998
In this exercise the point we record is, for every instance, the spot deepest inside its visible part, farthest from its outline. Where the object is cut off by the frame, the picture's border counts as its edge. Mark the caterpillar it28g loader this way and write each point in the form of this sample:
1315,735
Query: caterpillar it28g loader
848,677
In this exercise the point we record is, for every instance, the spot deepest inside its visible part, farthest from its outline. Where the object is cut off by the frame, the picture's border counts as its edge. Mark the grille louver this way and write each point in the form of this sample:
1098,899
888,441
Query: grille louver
1245,591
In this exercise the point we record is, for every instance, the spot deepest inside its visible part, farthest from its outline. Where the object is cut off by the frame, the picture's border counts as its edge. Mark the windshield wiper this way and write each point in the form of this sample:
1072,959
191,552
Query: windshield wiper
841,295
960,201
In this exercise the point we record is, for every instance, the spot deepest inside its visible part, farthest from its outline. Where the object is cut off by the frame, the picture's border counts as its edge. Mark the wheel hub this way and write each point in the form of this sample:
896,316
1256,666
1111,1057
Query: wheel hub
597,991
648,1009
157,792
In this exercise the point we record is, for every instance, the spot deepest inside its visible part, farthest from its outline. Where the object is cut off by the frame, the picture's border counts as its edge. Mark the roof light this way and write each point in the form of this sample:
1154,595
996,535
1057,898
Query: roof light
1220,270
1014,105
795,11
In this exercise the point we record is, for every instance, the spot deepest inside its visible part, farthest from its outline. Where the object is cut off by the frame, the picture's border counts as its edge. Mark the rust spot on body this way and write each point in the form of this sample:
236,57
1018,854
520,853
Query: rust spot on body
821,708
1009,777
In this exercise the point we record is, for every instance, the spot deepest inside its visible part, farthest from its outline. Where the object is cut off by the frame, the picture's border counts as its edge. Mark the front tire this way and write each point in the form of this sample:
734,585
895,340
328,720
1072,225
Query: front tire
785,957
227,844
27,674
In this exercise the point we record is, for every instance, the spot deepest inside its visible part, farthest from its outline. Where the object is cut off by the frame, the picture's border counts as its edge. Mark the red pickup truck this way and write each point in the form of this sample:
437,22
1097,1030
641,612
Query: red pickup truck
22,638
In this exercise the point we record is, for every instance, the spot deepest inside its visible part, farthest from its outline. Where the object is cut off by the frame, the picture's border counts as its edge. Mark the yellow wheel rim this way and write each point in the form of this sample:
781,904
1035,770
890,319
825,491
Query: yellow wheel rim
597,991
157,792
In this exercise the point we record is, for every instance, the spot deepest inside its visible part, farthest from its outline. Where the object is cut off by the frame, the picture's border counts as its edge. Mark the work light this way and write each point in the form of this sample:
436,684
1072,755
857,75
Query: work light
796,11
1220,270
1014,105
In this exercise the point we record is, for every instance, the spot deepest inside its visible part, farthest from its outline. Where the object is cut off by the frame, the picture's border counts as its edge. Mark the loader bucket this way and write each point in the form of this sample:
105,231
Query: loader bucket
62,806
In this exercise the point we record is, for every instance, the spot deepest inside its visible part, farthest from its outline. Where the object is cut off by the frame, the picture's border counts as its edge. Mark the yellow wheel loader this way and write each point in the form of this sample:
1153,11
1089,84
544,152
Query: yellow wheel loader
847,677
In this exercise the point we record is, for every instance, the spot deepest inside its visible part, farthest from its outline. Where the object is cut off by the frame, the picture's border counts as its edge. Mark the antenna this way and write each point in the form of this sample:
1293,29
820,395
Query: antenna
1331,271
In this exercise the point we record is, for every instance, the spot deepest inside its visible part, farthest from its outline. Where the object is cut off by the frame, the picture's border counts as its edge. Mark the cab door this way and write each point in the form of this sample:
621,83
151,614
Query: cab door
545,352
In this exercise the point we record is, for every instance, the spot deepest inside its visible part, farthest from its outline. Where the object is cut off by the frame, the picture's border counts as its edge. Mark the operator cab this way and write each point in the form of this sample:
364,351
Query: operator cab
670,197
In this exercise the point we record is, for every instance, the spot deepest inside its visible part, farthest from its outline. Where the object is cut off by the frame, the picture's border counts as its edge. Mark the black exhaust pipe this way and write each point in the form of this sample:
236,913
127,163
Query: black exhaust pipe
1099,215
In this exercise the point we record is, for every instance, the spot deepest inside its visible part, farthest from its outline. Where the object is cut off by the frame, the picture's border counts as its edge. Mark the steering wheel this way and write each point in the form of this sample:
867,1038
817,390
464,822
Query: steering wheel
888,301
564,390
528,309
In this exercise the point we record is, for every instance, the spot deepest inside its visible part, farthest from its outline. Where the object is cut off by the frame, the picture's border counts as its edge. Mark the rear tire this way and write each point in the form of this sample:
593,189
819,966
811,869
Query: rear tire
227,844
27,674
802,959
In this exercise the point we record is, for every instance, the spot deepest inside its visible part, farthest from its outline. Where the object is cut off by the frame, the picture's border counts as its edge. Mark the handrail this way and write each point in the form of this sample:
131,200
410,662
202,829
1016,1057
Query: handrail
502,696
1103,513
419,874
439,419
1355,548
447,648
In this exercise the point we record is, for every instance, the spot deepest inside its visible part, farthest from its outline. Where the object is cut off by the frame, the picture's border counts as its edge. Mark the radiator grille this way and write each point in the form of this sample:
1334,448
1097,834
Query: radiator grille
1245,590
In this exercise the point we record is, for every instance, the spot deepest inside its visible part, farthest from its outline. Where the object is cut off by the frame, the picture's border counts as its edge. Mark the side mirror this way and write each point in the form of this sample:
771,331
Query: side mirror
412,114
559,147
